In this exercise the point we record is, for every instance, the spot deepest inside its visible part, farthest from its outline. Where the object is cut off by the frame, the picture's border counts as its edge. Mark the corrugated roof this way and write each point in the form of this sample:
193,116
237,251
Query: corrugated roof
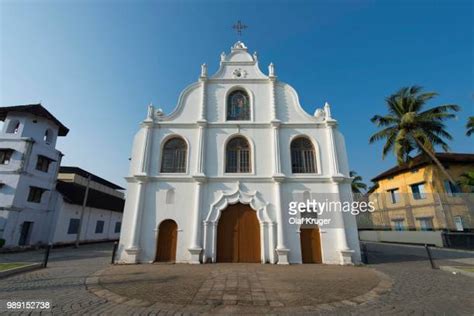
35,109
422,160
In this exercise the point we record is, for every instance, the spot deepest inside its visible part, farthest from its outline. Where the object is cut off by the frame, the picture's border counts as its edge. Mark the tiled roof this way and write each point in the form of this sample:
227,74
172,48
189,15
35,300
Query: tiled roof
422,160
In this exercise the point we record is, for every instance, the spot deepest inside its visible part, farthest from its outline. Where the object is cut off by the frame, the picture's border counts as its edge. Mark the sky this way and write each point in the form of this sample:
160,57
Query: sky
96,65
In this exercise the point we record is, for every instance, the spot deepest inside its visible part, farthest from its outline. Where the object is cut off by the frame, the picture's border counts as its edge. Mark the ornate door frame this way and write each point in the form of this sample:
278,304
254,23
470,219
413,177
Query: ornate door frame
267,224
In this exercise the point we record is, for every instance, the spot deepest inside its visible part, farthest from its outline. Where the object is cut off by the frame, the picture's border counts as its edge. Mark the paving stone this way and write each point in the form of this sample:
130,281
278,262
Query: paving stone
74,281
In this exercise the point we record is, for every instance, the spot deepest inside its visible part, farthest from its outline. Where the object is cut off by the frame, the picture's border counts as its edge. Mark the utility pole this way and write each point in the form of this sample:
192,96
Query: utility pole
84,203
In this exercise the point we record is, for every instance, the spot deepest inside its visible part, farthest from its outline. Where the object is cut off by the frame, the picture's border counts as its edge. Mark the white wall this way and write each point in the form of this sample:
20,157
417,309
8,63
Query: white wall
409,237
91,216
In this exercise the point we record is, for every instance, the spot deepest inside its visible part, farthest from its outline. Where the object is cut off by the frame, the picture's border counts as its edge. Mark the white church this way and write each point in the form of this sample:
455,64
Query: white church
213,180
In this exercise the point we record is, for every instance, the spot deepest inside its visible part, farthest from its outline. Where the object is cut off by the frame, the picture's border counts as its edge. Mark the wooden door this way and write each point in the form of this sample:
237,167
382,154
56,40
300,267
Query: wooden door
167,239
311,245
238,235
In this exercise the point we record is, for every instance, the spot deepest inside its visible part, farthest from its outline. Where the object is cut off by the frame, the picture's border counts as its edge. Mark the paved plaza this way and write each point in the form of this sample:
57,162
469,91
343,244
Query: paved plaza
397,280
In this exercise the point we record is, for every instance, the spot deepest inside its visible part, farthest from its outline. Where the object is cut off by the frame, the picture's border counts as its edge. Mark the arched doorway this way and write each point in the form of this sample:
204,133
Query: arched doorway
166,243
310,245
238,235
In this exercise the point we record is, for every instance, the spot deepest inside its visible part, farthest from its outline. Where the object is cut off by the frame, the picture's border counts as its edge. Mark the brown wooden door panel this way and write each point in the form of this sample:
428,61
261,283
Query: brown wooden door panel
167,240
306,251
249,236
310,239
238,235
316,243
226,235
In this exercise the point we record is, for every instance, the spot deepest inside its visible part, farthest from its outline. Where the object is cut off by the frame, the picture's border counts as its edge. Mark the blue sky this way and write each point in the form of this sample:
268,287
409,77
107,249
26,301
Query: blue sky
97,64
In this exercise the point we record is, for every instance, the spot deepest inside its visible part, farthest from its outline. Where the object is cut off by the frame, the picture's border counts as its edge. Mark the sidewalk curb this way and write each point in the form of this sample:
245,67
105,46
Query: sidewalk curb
93,285
416,246
27,268
456,270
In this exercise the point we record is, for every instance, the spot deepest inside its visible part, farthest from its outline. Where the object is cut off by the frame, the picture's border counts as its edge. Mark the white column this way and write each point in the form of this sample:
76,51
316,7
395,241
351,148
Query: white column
205,242
276,148
195,247
282,250
346,252
202,123
201,146
202,112
275,123
133,248
331,147
148,142
272,98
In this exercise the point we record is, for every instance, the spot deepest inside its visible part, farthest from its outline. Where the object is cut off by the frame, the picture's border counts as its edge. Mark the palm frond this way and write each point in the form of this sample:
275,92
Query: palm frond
470,126
386,132
442,109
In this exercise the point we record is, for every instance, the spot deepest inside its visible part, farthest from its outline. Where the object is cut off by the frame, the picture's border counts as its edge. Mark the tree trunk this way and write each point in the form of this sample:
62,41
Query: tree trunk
436,161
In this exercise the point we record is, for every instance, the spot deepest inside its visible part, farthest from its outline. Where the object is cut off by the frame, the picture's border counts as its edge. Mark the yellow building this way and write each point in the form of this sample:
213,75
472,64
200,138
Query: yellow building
417,196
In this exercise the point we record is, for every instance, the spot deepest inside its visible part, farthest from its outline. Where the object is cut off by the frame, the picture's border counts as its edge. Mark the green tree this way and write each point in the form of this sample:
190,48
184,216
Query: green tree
410,125
466,180
357,184
470,126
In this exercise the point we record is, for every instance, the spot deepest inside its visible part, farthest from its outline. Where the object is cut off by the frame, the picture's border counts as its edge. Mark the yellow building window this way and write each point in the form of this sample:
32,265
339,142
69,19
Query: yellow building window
398,224
394,195
418,190
426,223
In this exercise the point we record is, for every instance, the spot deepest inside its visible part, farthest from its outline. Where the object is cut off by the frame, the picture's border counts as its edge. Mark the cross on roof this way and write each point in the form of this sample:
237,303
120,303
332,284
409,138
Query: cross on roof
238,27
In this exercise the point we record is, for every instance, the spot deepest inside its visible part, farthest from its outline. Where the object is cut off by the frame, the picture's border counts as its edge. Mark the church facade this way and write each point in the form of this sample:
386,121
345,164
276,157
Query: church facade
213,180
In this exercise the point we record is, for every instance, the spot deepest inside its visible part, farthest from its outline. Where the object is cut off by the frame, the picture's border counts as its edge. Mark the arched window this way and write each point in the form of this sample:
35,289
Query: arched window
238,106
238,156
174,156
13,127
303,157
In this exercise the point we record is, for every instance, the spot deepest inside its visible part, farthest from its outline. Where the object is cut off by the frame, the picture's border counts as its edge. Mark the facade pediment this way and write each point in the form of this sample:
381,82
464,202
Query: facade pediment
207,99
239,65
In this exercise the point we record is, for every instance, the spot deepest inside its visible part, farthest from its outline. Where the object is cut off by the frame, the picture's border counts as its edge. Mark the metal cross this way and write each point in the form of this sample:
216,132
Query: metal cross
238,27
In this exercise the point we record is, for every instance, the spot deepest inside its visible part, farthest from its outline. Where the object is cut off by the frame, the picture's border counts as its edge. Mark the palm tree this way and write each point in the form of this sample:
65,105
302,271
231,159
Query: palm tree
466,180
470,126
357,184
410,126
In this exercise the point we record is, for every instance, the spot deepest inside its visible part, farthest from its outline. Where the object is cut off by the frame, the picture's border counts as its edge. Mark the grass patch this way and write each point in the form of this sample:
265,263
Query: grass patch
8,266
467,269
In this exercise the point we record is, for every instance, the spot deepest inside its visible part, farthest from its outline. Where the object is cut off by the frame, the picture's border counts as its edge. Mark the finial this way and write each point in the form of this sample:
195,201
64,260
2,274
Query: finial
151,109
239,45
271,70
319,113
204,70
255,56
222,56
327,109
